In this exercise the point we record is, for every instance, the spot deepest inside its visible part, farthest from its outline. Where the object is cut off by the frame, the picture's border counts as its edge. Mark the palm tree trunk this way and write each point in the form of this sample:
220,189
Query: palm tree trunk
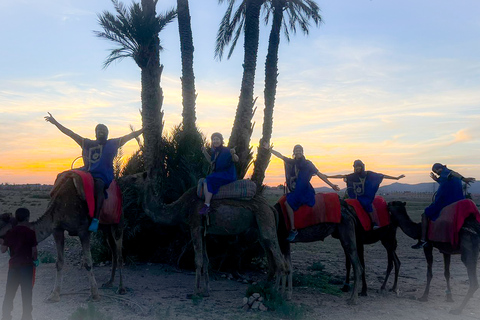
188,77
242,126
271,79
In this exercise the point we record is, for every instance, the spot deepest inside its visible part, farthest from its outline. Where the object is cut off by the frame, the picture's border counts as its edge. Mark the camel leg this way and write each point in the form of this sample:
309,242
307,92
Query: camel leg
391,246
446,273
115,240
361,256
88,264
397,263
348,266
59,237
111,246
428,251
346,231
197,240
206,291
469,251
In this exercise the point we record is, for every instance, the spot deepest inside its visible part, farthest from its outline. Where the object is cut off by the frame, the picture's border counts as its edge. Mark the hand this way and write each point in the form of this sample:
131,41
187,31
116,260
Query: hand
204,149
468,180
232,151
400,176
335,187
50,118
433,176
267,146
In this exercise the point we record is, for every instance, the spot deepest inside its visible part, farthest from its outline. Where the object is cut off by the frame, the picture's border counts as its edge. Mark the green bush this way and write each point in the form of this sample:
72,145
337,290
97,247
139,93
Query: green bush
46,257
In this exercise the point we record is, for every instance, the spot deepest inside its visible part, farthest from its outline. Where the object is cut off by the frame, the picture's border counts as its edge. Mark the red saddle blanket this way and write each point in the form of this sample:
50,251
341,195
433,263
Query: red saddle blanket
112,206
380,213
450,221
326,209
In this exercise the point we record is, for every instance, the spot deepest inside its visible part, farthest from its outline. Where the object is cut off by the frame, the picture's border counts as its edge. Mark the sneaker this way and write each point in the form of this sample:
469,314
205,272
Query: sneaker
94,225
420,244
375,227
204,210
291,235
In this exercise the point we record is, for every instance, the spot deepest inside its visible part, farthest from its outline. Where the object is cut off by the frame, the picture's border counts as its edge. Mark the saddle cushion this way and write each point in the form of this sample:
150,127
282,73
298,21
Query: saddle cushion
450,221
325,210
241,189
380,213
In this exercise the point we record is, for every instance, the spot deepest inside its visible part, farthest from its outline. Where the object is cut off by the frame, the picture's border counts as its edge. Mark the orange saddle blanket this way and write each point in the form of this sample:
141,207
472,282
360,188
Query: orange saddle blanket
380,213
450,221
326,209
112,206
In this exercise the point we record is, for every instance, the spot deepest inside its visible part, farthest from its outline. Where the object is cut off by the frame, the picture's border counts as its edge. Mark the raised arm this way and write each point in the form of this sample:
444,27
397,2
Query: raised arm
325,179
130,136
206,155
394,178
78,139
337,176
458,175
275,153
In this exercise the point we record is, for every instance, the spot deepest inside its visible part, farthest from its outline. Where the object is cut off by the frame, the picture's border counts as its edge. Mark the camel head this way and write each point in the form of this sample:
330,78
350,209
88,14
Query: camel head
397,208
7,222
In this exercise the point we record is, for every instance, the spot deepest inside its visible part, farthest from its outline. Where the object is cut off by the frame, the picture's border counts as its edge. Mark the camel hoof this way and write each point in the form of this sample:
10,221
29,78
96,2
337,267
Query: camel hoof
449,298
94,298
456,311
345,288
423,299
363,294
108,284
122,291
54,297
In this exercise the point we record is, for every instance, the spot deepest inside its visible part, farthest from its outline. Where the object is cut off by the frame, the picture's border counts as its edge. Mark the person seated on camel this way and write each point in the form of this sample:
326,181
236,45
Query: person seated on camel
222,161
363,185
298,173
98,158
450,190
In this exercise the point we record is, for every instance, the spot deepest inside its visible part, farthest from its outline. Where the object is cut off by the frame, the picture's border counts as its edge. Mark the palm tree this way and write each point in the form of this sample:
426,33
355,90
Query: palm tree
299,12
247,18
135,30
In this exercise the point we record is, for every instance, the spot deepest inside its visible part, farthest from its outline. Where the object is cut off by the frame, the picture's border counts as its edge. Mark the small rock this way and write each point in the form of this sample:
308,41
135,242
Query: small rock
256,295
224,275
255,305
251,300
262,307
246,307
239,280
260,299
245,300
245,281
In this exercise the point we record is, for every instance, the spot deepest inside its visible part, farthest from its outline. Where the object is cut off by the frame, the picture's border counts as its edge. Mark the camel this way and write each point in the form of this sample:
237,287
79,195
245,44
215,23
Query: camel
67,211
344,231
469,240
388,236
226,217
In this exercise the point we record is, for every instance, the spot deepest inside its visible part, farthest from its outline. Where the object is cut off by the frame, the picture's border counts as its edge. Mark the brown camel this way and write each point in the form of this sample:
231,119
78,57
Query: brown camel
388,236
344,231
469,240
67,211
226,217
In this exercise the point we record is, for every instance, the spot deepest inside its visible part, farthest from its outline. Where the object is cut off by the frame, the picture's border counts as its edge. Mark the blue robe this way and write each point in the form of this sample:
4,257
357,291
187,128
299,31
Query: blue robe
223,169
364,187
298,174
449,191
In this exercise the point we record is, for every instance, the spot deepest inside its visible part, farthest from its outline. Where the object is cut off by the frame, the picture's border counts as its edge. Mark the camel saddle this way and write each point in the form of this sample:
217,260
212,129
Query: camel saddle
326,209
241,189
112,206
380,213
450,221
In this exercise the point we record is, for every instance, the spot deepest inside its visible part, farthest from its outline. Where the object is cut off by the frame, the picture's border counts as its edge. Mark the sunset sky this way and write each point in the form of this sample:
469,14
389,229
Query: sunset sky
394,83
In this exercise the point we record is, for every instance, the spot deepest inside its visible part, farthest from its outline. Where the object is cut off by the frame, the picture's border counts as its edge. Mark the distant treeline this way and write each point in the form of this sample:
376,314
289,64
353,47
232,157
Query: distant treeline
27,187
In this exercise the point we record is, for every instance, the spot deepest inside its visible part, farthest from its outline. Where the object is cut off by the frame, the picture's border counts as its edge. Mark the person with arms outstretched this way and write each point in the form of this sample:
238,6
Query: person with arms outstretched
450,190
363,185
98,158
298,173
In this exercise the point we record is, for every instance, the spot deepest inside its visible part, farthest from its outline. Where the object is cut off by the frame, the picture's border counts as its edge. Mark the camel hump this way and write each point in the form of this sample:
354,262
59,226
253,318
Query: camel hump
240,189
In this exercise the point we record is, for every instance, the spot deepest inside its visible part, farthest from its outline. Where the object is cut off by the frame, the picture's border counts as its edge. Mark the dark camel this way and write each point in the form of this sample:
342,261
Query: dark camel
344,231
388,236
226,217
68,211
469,239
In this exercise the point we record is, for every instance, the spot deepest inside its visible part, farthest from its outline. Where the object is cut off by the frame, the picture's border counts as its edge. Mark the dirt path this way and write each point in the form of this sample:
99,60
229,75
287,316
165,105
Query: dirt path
158,291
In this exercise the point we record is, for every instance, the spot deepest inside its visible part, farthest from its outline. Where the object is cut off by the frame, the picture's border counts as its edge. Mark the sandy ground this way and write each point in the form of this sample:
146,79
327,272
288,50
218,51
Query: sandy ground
157,291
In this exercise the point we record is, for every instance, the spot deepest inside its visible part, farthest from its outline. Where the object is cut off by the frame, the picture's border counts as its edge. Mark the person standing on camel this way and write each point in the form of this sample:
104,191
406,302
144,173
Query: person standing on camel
298,173
363,185
98,158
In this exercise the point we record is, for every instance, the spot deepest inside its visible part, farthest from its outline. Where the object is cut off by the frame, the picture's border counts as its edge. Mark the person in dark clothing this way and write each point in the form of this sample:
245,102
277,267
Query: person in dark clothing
22,242
98,158
450,190
363,185
298,173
